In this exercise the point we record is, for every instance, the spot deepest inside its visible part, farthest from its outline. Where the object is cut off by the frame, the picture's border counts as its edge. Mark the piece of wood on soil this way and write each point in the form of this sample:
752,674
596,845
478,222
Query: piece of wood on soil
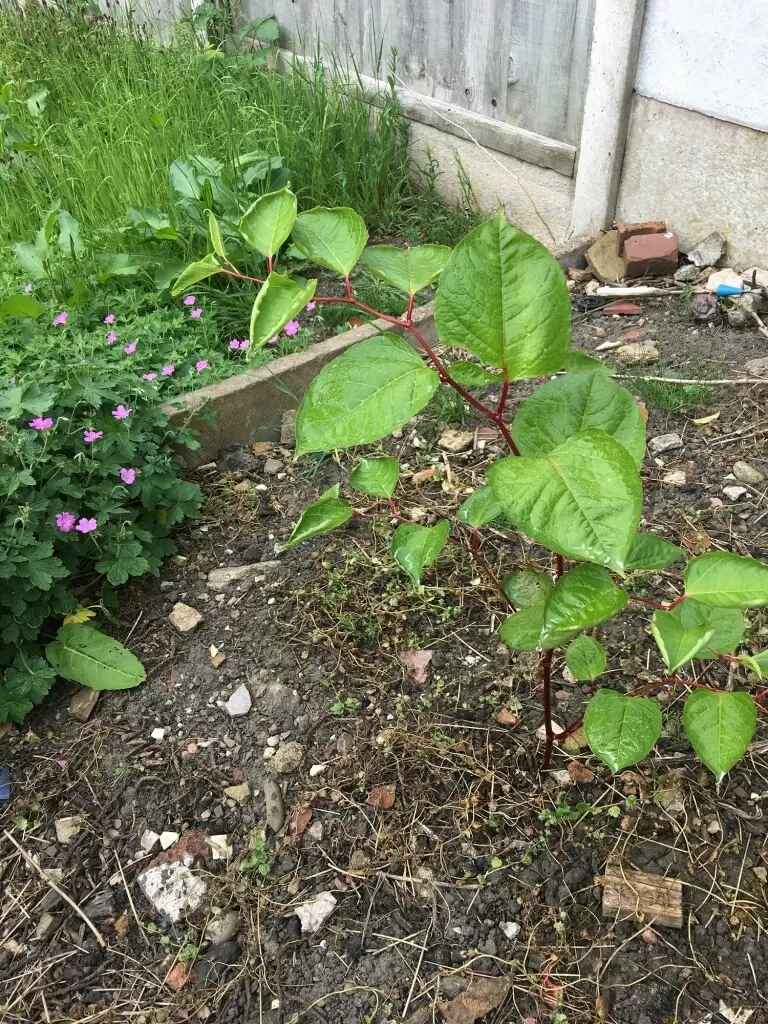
650,898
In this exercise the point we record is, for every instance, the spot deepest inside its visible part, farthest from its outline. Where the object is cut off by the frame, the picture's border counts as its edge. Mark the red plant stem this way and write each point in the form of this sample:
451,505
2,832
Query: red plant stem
546,679
239,275
659,605
503,399
409,311
559,566
482,562
270,264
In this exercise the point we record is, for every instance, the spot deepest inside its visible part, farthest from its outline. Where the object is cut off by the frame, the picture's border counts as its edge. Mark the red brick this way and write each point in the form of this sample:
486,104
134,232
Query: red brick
647,227
651,255
622,308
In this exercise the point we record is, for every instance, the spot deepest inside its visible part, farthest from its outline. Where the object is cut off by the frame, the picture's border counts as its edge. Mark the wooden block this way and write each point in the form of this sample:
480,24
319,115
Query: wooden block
651,898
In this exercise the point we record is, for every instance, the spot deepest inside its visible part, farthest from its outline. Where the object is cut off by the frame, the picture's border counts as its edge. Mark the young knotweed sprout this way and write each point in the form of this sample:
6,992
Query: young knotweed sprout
571,482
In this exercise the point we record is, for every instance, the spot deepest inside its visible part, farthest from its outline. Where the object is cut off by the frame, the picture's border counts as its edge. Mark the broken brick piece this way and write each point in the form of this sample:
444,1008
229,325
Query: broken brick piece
622,308
651,255
646,227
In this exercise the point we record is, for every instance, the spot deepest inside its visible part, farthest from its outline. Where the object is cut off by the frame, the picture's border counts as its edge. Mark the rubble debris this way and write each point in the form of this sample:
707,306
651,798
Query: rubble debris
651,255
604,260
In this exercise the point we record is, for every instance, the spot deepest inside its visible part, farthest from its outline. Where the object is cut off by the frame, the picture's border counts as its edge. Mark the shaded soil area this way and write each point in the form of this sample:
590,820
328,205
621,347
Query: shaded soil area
468,885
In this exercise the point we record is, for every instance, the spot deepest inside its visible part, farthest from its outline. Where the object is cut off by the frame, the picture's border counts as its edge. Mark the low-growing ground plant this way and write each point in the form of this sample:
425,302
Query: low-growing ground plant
571,481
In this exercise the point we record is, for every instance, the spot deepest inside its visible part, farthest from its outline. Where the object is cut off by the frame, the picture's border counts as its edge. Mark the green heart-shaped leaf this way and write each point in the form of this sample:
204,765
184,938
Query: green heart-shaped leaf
408,270
333,239
322,516
480,508
585,658
502,296
582,598
269,221
621,730
581,500
21,306
527,588
677,644
415,547
377,477
279,300
524,631
724,580
651,552
86,656
720,727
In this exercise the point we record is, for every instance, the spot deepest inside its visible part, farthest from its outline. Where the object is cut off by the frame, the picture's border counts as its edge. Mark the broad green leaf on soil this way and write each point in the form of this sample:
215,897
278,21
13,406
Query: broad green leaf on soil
524,631
322,516
724,580
21,306
579,401
651,552
720,727
408,270
415,547
364,394
677,644
582,500
582,598
377,476
279,300
527,588
727,624
480,508
268,222
576,361
83,655
502,296
470,375
214,236
198,271
585,658
333,239
621,730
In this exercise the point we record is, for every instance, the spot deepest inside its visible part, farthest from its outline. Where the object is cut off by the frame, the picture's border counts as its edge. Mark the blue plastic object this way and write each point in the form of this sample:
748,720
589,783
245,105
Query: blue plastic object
5,783
729,289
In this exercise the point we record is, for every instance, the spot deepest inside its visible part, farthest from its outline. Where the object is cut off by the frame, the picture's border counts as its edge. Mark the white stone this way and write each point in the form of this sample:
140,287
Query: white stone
239,703
220,848
167,839
148,840
222,927
455,441
317,769
184,617
273,741
158,733
315,913
726,276
747,474
67,828
45,926
510,928
664,443
735,493
316,830
675,478
174,889
218,579
268,752
238,793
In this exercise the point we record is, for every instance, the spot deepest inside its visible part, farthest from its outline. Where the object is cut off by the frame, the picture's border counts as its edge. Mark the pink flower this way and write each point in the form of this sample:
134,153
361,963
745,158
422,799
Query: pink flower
272,341
89,436
196,313
128,476
65,521
130,349
245,344
168,371
201,364
121,412
86,525
189,300
109,318
41,423
111,338
28,287
292,327
60,318
234,343
310,306
148,376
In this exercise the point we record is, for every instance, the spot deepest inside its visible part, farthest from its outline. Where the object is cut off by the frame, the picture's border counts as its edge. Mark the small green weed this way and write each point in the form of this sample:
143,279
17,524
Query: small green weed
259,858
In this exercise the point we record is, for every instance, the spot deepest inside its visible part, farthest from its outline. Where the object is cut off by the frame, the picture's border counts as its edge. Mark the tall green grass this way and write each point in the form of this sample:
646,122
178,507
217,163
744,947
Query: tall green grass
121,107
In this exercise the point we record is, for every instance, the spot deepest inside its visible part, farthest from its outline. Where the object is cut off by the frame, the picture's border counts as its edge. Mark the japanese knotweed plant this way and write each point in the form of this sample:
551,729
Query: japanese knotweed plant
571,481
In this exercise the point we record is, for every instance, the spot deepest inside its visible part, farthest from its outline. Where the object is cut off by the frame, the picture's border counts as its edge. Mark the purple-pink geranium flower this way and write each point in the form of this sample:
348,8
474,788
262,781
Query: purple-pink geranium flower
89,436
121,412
292,327
28,288
245,343
273,341
310,306
130,349
189,300
196,313
234,344
201,364
86,525
127,475
148,376
65,521
60,318
111,338
168,371
41,423
109,318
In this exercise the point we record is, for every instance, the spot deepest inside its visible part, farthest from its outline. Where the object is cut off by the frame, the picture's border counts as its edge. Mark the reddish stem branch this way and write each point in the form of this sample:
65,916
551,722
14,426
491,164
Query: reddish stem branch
546,679
661,606
559,566
503,399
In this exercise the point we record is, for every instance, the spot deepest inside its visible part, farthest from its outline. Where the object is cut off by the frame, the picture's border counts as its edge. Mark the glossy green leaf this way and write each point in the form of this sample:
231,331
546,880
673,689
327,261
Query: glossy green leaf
84,655
215,237
269,221
582,500
333,239
524,631
585,658
377,476
576,361
408,270
727,625
621,730
279,300
651,552
470,375
415,547
582,598
724,580
367,392
720,727
758,663
677,643
527,588
198,271
480,508
21,306
322,516
502,296
579,401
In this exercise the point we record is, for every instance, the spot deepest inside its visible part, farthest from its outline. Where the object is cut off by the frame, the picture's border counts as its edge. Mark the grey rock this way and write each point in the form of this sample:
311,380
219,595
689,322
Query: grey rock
757,367
637,353
102,905
222,927
174,889
345,743
273,798
218,579
237,459
755,277
664,443
184,617
211,968
747,474
273,466
67,828
741,310
45,926
709,250
288,758
687,273
238,793
239,703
